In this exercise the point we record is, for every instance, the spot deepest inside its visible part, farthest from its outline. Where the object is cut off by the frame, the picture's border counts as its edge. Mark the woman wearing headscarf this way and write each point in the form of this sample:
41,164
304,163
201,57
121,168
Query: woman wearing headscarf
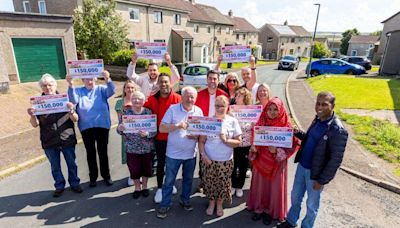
268,191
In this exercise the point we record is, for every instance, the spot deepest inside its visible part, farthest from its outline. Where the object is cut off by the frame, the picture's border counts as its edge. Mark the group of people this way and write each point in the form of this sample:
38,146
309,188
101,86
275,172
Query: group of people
223,159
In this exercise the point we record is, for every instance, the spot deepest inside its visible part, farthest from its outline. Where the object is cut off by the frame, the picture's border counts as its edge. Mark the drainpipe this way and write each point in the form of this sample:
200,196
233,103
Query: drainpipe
213,52
147,25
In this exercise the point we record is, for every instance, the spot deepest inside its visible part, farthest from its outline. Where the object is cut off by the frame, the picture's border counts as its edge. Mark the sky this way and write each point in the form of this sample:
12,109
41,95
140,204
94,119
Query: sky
334,16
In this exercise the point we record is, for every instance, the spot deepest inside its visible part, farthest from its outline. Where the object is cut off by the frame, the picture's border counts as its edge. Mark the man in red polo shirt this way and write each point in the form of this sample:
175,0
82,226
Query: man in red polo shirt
159,104
206,97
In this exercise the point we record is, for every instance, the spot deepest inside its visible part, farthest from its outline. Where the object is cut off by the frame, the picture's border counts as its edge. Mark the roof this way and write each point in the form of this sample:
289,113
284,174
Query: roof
391,17
212,12
198,14
183,34
363,39
300,31
242,25
36,17
177,5
283,30
321,39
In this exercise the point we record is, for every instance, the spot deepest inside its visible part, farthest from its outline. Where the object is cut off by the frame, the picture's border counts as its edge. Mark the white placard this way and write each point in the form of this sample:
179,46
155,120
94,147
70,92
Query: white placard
246,113
231,54
85,68
150,50
136,123
201,125
49,104
273,136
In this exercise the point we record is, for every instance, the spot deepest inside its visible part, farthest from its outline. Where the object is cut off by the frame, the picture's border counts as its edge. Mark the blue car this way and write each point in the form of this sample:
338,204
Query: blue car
334,66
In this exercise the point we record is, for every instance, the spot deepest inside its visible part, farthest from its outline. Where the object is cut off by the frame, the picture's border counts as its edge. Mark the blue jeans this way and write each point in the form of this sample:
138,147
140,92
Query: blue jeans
171,170
53,155
302,183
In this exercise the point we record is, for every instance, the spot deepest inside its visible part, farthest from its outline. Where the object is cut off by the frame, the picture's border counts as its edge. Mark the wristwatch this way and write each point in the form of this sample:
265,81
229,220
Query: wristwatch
253,68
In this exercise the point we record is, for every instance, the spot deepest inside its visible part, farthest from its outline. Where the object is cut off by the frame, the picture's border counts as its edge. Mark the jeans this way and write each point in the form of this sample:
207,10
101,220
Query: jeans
90,137
302,183
240,165
53,155
172,167
161,150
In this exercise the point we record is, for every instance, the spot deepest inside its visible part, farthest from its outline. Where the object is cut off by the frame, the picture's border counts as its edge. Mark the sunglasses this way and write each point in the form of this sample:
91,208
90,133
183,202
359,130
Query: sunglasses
232,80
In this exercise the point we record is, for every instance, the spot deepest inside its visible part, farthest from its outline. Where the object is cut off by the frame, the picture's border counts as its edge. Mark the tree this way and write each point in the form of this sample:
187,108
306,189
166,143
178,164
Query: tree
376,33
346,38
99,30
320,50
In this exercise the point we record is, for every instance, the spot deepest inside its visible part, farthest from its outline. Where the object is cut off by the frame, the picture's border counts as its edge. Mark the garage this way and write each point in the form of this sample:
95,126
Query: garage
35,57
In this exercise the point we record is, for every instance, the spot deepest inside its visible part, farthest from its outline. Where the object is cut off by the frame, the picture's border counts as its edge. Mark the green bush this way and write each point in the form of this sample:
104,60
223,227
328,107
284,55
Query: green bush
123,58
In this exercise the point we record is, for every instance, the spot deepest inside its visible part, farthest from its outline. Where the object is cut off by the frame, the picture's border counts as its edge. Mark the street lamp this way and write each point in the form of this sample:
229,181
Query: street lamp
313,40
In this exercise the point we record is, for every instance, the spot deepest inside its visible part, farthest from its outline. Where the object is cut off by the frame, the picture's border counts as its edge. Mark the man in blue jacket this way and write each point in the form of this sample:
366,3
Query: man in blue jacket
320,156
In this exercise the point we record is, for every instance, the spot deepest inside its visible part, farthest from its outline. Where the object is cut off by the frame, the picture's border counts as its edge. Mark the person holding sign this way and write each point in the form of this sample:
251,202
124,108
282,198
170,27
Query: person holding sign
240,153
121,105
57,135
148,84
321,153
263,94
216,154
94,122
138,146
181,150
231,85
159,104
268,191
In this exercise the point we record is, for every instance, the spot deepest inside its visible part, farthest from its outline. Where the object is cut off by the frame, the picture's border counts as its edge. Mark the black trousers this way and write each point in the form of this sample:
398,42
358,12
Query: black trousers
240,165
161,150
91,137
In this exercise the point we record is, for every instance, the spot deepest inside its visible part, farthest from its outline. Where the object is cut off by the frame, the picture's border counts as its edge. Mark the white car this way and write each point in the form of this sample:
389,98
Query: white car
196,75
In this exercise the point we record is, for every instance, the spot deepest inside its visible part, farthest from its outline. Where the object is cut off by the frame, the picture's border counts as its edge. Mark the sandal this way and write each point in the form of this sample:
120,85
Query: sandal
256,216
267,219
220,212
210,211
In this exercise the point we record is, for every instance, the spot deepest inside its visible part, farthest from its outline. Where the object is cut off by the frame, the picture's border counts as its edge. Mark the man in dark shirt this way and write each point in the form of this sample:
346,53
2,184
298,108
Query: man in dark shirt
320,156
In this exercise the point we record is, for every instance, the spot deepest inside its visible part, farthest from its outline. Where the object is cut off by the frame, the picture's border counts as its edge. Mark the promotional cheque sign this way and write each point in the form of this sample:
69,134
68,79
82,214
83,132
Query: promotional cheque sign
49,104
150,50
273,136
85,68
199,125
231,54
136,123
246,113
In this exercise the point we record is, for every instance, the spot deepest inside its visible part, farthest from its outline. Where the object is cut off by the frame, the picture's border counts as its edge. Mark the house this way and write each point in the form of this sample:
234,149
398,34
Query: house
195,32
279,40
362,45
62,7
32,44
389,49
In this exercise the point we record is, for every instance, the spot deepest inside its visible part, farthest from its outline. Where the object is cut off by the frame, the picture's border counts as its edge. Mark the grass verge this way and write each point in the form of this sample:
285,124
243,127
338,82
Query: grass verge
375,68
236,66
378,136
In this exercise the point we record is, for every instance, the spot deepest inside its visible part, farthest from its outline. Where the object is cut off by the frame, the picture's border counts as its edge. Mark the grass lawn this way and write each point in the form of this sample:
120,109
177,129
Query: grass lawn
375,68
241,65
165,69
378,136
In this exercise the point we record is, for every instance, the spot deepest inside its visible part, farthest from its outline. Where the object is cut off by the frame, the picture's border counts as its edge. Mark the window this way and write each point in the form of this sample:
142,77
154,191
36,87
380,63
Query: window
158,17
244,36
353,52
27,7
177,19
134,14
42,7
196,28
291,51
159,41
270,39
209,29
292,40
237,36
219,30
228,30
188,50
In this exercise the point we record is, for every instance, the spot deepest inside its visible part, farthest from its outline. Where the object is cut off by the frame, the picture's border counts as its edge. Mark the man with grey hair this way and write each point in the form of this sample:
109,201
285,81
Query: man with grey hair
181,149
320,155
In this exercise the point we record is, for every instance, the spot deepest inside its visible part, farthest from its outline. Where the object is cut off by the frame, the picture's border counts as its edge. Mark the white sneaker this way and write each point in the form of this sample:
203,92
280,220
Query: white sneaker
158,196
233,191
239,192
248,173
130,182
174,190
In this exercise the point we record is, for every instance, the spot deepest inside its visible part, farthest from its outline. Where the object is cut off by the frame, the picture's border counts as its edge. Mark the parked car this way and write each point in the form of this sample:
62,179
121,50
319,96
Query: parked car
359,60
196,75
289,62
334,66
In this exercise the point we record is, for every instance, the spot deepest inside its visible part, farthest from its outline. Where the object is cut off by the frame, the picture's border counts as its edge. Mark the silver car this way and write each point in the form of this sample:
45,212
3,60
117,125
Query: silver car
196,75
288,62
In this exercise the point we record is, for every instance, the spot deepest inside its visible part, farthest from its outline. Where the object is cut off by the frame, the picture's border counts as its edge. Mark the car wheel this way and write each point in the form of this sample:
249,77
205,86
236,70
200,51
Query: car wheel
350,72
279,68
314,73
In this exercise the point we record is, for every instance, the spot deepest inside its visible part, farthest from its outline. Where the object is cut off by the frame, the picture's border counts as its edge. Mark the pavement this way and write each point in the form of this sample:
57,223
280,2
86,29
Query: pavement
357,161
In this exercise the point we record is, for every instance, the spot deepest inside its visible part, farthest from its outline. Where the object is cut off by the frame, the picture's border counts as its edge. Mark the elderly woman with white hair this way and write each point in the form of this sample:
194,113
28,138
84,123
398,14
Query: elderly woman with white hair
138,147
57,135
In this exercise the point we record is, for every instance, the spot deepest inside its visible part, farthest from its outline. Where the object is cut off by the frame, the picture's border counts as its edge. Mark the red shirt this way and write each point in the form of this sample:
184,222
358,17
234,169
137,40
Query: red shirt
203,99
159,106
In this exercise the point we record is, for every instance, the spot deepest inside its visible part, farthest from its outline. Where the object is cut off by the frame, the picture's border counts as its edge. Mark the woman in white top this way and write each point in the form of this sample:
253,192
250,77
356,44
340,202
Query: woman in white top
217,154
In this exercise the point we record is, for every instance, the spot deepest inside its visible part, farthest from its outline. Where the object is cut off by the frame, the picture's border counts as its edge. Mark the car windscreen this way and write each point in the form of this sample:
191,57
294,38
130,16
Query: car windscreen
289,58
196,70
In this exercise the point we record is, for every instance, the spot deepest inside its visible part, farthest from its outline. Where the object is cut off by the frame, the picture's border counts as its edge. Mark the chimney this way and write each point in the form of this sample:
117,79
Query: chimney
192,1
285,23
230,13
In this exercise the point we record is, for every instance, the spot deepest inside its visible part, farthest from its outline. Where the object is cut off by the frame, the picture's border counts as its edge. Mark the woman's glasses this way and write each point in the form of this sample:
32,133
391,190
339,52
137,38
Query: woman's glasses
232,80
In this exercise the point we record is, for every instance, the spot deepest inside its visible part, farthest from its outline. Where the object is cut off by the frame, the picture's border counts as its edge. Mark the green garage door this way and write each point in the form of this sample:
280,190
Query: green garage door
36,57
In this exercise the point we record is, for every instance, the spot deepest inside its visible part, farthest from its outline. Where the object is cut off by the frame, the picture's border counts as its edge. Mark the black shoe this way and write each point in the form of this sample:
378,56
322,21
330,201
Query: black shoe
77,189
108,182
136,194
186,205
285,224
145,192
92,184
256,216
162,212
58,193
267,219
